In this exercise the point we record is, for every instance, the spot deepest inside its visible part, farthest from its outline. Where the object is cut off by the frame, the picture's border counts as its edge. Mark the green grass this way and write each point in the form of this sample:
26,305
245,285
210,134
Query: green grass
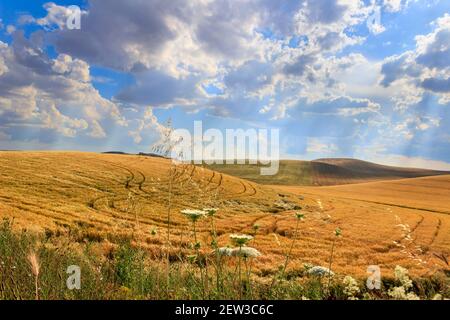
128,272
290,172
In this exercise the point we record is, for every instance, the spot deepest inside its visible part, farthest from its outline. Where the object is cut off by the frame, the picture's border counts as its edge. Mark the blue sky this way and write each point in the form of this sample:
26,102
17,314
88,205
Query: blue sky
339,78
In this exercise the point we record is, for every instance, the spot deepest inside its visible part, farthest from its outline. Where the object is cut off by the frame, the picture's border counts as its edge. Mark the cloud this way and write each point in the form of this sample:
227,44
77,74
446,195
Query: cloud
57,16
148,126
51,94
288,64
433,50
436,85
156,88
410,162
392,5
207,39
427,68
317,146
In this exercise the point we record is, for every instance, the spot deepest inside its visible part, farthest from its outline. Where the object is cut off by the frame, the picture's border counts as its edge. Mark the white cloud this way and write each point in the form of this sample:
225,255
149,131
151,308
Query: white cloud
57,16
42,92
392,5
317,146
410,162
427,68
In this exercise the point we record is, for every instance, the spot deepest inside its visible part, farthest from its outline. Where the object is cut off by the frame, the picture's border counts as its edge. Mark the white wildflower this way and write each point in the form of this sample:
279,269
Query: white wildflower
193,214
412,296
240,239
397,293
402,275
224,251
401,292
351,288
246,252
320,271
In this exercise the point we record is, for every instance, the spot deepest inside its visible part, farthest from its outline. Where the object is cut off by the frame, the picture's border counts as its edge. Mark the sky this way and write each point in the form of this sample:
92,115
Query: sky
338,78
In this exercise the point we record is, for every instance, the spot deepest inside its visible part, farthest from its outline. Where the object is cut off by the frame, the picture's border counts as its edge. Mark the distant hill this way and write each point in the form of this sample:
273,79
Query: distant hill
325,172
115,152
144,154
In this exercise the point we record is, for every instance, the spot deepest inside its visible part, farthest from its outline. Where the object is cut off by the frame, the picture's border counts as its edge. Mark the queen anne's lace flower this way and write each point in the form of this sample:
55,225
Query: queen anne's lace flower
193,214
240,239
246,252
224,251
320,271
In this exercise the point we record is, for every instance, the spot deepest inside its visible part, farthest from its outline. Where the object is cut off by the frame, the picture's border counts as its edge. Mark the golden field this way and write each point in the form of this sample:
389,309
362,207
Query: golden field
104,198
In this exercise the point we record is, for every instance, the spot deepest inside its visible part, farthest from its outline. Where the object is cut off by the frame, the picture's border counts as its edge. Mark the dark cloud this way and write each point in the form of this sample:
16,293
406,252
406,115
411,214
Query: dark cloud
432,53
397,68
437,53
251,76
49,95
325,11
113,29
156,88
29,53
300,65
436,85
343,106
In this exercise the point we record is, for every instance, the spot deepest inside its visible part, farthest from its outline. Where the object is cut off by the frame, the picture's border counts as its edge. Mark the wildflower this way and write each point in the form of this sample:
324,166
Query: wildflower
402,275
320,271
351,288
240,239
193,214
153,232
401,292
412,296
246,252
224,251
210,211
397,293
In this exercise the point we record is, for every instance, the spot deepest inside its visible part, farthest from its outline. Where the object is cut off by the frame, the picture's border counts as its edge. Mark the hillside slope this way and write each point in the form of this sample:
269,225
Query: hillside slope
103,199
54,189
325,172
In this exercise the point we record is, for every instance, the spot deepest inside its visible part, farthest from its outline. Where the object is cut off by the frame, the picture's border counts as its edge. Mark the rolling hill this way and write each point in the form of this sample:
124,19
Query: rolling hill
103,199
325,172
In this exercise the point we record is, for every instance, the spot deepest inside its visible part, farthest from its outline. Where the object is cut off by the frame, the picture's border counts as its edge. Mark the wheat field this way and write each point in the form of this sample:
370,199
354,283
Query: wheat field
106,198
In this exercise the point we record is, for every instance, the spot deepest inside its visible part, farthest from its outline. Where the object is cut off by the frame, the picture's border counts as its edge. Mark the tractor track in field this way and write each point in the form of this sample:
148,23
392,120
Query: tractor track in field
422,218
218,184
20,204
384,203
436,231
244,193
407,235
